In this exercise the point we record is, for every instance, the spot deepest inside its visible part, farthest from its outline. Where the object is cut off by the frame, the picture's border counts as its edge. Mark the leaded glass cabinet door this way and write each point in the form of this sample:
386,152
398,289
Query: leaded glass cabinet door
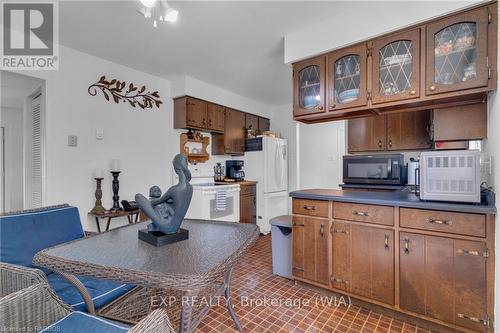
457,53
347,78
396,67
309,86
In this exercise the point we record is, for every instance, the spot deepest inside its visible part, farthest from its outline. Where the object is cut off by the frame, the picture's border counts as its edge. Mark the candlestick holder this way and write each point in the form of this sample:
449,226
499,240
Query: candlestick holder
116,187
98,208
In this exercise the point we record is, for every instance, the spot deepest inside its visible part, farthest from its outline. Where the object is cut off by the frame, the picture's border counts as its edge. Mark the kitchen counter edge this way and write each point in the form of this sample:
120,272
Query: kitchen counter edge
398,199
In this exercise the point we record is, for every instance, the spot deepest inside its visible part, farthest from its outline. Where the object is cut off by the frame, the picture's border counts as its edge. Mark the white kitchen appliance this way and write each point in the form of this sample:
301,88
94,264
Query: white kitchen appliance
452,175
412,172
269,167
203,202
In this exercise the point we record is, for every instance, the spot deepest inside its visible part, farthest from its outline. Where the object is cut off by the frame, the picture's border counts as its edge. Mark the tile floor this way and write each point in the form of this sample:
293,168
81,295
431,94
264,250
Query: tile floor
254,282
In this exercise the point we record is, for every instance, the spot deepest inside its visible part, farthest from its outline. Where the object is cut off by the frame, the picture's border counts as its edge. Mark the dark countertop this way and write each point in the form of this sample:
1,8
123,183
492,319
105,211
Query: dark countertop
397,198
377,187
241,183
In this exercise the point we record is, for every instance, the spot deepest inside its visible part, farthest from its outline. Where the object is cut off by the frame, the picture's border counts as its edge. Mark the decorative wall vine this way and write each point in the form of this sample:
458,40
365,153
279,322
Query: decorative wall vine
116,90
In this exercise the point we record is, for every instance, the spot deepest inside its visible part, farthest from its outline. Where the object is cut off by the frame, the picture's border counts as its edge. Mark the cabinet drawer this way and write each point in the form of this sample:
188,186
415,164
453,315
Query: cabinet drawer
310,207
363,213
455,223
248,189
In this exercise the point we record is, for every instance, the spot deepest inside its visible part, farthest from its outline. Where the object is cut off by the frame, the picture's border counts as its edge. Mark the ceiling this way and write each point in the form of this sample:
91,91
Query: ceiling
236,45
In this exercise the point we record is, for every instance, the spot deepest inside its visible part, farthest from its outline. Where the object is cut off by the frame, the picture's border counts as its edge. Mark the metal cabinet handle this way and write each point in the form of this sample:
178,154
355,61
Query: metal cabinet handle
298,269
332,106
334,279
297,224
434,221
412,92
306,207
322,230
380,143
320,107
355,212
390,143
386,242
484,322
473,253
407,246
432,88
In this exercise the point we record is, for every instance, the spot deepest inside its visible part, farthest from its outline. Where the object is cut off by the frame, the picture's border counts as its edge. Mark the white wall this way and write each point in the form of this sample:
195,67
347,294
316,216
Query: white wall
354,21
144,140
12,121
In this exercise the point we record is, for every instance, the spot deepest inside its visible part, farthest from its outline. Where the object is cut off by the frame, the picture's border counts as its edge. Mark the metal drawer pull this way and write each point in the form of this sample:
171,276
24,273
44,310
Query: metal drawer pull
433,221
309,207
339,231
295,224
473,253
322,230
298,269
334,279
407,246
354,212
485,322
386,241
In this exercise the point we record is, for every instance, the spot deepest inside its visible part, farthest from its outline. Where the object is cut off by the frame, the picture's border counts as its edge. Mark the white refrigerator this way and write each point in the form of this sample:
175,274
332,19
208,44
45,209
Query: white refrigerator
269,167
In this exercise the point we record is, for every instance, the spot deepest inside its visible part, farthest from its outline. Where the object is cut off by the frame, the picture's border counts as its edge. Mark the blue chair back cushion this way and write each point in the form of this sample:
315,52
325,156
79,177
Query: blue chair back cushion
101,291
23,235
78,322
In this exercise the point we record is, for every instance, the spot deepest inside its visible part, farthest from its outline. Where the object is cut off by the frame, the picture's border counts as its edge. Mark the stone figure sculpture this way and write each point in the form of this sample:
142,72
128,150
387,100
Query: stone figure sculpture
167,211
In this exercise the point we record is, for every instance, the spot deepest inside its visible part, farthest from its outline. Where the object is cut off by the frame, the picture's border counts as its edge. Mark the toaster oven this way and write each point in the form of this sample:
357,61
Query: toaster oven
450,176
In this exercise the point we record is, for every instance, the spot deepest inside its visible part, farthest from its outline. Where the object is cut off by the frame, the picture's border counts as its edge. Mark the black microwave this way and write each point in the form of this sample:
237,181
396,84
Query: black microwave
387,169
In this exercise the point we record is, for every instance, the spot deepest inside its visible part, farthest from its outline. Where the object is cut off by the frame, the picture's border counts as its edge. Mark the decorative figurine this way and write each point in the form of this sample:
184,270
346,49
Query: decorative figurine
167,211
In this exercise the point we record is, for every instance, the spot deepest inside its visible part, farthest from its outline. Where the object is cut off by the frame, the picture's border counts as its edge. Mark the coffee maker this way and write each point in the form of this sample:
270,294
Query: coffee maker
234,170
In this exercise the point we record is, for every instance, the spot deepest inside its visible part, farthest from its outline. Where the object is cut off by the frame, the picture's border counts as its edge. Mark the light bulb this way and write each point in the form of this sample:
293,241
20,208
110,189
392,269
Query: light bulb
171,15
148,3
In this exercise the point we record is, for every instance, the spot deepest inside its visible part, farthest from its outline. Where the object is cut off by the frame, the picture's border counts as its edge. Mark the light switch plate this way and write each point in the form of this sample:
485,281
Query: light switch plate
72,141
99,134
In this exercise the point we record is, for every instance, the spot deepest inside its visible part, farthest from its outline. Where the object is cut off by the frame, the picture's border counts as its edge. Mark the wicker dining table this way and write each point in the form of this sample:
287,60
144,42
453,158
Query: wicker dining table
198,268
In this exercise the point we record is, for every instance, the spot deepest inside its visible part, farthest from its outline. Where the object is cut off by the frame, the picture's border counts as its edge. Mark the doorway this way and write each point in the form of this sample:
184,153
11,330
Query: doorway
22,125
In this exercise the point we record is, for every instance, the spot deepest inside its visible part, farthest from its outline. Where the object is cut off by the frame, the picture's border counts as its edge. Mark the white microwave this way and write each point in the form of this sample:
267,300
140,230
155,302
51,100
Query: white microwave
452,175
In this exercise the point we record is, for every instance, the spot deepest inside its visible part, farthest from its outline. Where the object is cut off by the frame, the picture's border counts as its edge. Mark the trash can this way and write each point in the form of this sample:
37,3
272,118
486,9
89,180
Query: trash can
281,238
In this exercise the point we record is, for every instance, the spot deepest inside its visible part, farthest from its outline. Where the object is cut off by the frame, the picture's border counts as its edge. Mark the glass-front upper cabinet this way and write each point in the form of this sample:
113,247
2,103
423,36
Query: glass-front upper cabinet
396,67
309,86
347,78
457,52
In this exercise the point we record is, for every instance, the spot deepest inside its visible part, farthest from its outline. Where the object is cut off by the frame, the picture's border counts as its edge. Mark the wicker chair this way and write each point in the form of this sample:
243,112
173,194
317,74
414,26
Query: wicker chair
38,309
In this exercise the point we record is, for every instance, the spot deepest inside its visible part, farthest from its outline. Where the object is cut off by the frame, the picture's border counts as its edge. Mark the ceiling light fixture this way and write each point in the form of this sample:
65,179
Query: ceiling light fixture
158,10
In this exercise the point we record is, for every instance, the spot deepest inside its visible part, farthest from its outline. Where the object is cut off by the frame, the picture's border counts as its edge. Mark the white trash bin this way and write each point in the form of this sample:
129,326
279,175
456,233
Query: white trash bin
281,238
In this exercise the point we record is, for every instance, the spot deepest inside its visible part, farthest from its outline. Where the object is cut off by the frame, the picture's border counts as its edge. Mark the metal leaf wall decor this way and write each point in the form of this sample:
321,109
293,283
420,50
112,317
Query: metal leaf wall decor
120,91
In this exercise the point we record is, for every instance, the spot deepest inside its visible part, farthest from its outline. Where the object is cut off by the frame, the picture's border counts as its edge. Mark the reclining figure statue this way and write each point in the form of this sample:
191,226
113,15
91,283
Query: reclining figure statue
167,211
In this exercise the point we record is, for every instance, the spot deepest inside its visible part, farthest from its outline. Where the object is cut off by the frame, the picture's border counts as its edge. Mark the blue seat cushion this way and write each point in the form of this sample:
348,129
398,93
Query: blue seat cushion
24,234
78,322
101,291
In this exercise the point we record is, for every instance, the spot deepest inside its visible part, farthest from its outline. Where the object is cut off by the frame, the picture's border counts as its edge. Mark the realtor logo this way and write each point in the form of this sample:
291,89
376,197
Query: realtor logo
29,36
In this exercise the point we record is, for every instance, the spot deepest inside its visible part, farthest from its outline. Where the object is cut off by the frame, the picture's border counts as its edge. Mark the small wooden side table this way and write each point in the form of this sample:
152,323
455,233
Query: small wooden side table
132,216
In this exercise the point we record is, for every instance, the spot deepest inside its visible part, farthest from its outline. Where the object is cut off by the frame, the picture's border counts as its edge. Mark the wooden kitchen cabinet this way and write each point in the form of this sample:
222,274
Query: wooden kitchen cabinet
458,123
310,249
232,142
457,52
363,261
248,202
216,118
309,86
251,120
190,112
409,130
396,67
347,78
366,134
264,124
444,278
444,62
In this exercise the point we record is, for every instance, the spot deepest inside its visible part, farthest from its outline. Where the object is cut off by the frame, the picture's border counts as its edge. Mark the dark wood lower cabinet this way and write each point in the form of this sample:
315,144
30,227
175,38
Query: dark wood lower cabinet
248,203
363,261
444,278
310,249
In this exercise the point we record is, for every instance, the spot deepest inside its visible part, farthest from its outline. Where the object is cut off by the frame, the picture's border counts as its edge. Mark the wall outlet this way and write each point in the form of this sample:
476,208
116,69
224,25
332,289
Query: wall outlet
72,141
99,134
